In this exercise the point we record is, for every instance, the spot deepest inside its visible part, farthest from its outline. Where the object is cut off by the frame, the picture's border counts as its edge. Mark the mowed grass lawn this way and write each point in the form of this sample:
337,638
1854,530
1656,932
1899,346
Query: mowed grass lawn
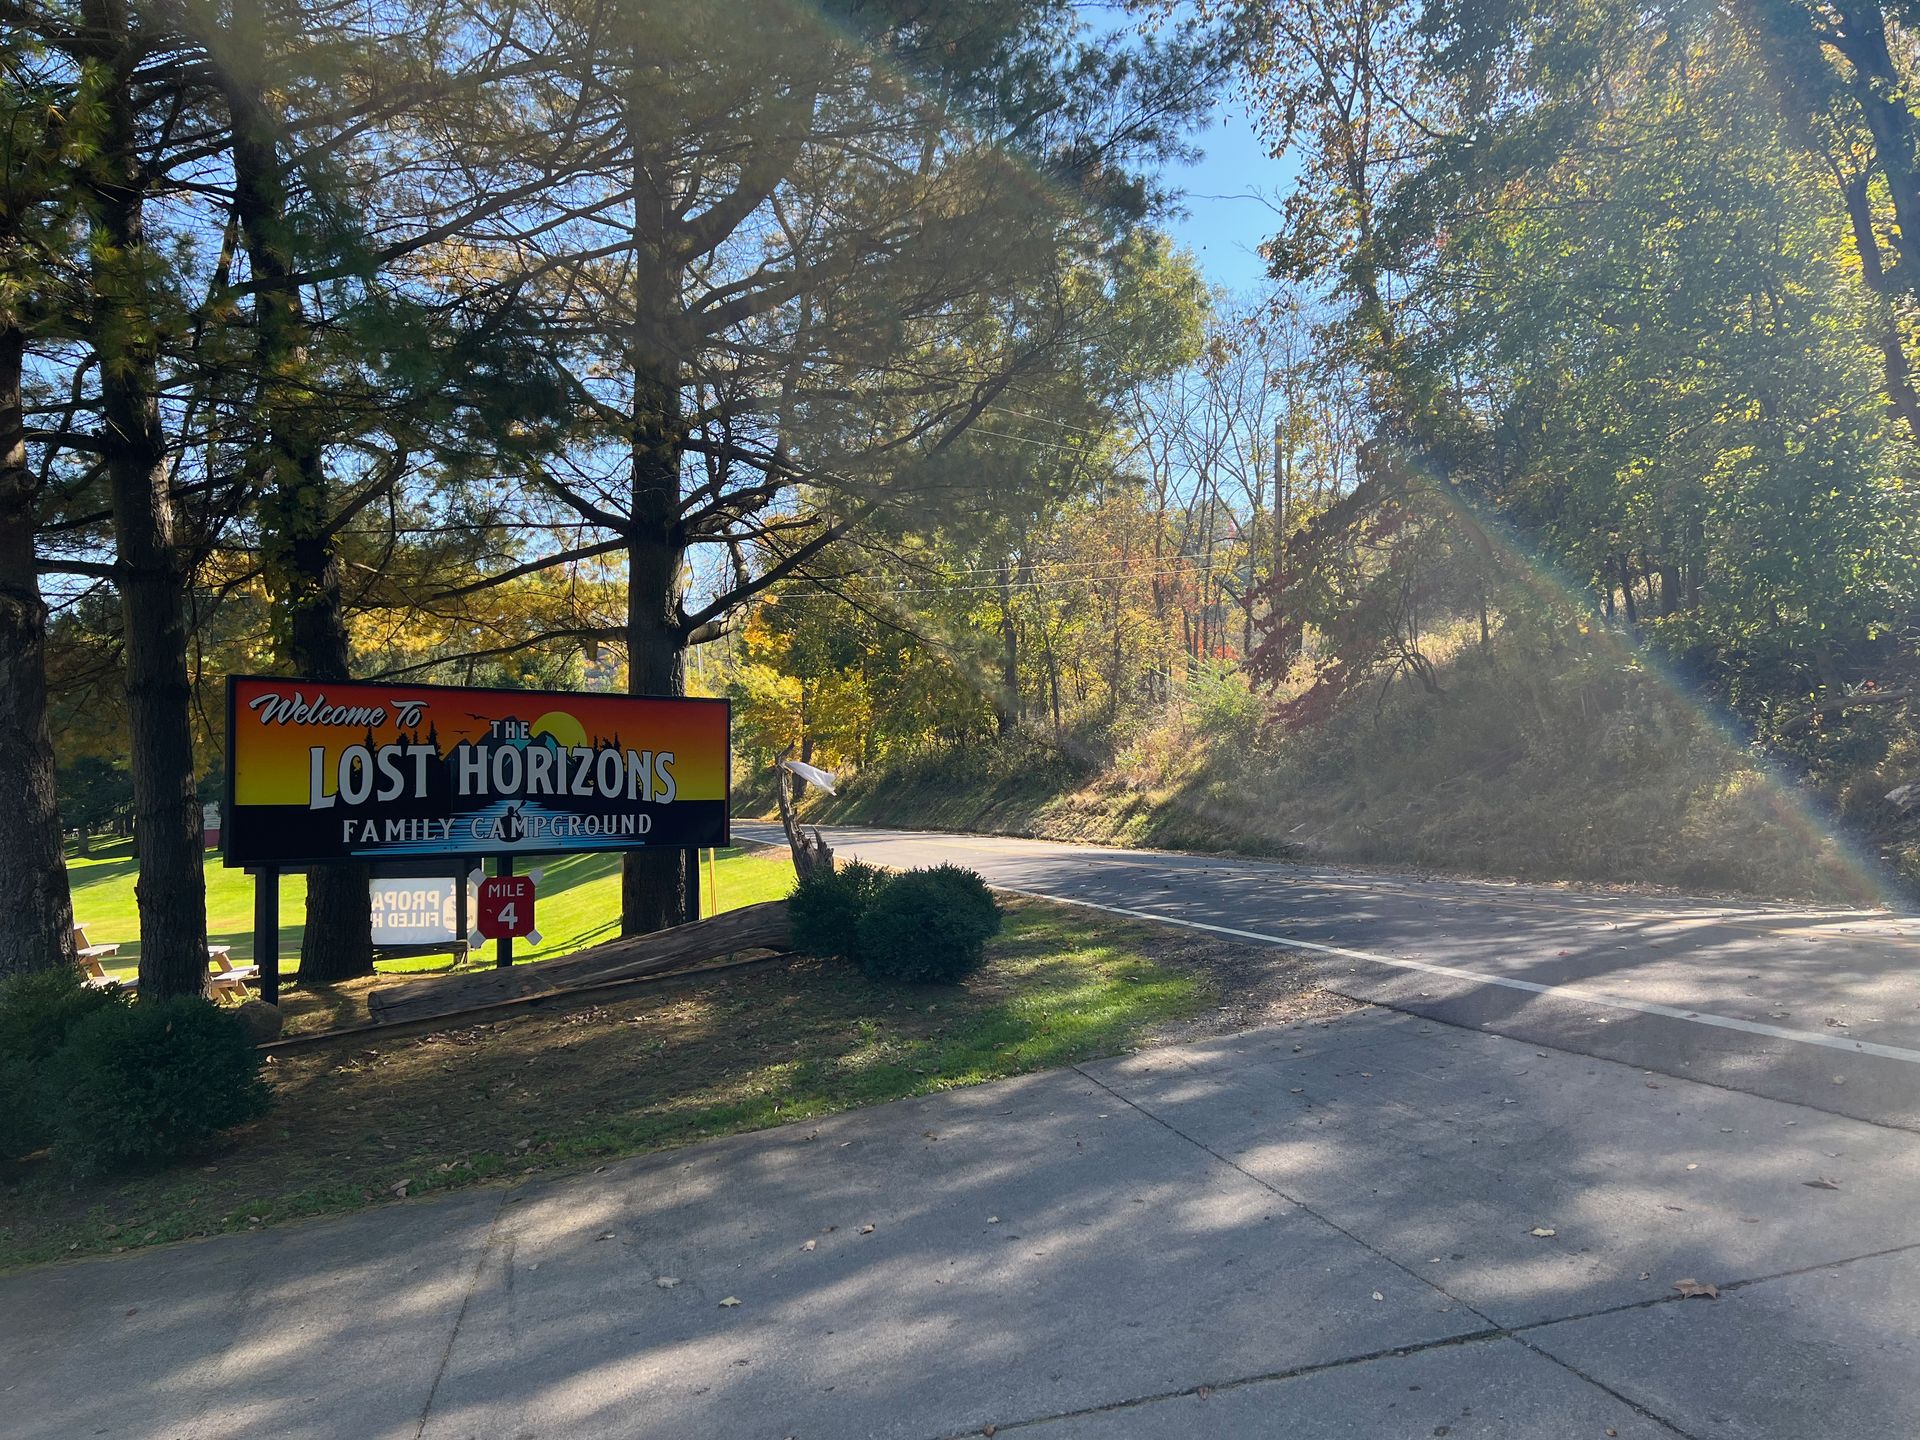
578,904
363,1120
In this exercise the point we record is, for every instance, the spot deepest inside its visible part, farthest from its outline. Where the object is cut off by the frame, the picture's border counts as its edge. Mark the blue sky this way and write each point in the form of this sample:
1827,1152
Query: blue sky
1227,217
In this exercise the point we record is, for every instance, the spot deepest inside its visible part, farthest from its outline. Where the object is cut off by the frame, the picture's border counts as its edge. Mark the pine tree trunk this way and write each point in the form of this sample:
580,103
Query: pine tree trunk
301,562
37,932
653,881
150,568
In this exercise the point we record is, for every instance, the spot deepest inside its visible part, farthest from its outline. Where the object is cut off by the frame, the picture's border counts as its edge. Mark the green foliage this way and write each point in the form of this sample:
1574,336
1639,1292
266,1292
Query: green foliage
37,1010
1222,704
828,906
929,926
95,792
142,1085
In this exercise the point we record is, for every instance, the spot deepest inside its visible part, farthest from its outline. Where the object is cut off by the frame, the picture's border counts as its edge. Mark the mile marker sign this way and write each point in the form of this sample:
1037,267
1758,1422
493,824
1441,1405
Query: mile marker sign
503,907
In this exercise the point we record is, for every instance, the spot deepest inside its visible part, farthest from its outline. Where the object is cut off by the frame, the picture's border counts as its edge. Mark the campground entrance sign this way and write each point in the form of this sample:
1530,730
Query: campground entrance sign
397,775
388,772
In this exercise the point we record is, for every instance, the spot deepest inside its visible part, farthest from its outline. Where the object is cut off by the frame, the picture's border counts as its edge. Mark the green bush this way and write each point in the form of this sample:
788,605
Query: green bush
36,1012
146,1084
826,908
929,926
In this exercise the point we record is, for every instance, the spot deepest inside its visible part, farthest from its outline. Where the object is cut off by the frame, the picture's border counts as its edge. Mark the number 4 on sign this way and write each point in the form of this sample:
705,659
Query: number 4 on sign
503,907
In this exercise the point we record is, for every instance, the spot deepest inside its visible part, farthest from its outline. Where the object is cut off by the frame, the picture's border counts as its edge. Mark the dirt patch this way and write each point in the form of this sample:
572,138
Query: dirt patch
1254,985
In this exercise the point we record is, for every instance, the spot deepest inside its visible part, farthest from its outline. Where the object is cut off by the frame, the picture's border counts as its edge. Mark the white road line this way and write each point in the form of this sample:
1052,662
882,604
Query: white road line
1586,997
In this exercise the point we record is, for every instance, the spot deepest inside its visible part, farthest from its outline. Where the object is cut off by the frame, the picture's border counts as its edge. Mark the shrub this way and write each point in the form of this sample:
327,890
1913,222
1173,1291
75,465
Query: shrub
145,1084
929,926
36,1012
826,908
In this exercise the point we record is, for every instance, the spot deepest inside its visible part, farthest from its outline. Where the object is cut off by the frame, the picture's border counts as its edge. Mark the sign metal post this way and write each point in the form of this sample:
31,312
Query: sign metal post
690,868
503,947
266,930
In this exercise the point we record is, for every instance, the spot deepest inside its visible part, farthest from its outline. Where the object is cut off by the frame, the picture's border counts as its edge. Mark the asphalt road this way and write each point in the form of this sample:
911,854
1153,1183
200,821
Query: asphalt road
1816,1006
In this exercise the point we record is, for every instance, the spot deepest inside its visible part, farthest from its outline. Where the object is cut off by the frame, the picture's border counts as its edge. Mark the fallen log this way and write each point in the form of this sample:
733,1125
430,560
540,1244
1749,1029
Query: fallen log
752,927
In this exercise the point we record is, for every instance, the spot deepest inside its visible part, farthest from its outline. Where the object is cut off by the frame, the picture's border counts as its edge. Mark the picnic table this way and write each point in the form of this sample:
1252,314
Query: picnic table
227,978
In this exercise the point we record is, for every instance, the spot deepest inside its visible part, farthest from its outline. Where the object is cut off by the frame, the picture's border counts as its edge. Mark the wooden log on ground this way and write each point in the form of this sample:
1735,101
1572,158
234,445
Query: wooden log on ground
753,927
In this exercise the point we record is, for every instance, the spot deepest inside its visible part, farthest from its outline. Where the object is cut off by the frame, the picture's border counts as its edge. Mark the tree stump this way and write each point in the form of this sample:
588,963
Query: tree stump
810,853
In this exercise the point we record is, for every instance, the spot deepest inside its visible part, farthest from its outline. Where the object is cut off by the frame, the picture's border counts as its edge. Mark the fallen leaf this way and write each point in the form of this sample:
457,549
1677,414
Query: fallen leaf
1693,1167
1543,1232
866,1229
993,1219
1821,1184
1696,1289
729,1302
603,1235
667,1282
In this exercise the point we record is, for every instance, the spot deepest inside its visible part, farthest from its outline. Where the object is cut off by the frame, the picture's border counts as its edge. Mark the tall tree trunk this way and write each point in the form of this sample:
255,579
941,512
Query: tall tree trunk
150,568
653,882
37,933
1053,684
300,561
1281,620
1668,592
1881,93
1893,348
1007,702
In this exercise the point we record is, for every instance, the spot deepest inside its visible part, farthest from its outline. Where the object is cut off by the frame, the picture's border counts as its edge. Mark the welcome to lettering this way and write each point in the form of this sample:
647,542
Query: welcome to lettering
295,709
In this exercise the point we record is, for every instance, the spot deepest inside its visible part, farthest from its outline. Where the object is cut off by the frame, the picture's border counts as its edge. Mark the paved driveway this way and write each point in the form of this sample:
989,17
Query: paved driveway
1320,1230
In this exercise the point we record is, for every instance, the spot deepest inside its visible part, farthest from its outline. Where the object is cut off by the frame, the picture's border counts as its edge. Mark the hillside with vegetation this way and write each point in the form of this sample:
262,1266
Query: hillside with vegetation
1590,770
1551,514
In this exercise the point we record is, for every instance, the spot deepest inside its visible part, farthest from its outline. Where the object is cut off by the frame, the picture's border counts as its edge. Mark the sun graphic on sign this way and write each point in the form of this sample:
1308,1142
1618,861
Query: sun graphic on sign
565,730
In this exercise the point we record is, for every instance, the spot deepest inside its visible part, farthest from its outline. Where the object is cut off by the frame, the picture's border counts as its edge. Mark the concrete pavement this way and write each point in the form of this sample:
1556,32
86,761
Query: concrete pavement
1383,1225
1317,1230
1820,1006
